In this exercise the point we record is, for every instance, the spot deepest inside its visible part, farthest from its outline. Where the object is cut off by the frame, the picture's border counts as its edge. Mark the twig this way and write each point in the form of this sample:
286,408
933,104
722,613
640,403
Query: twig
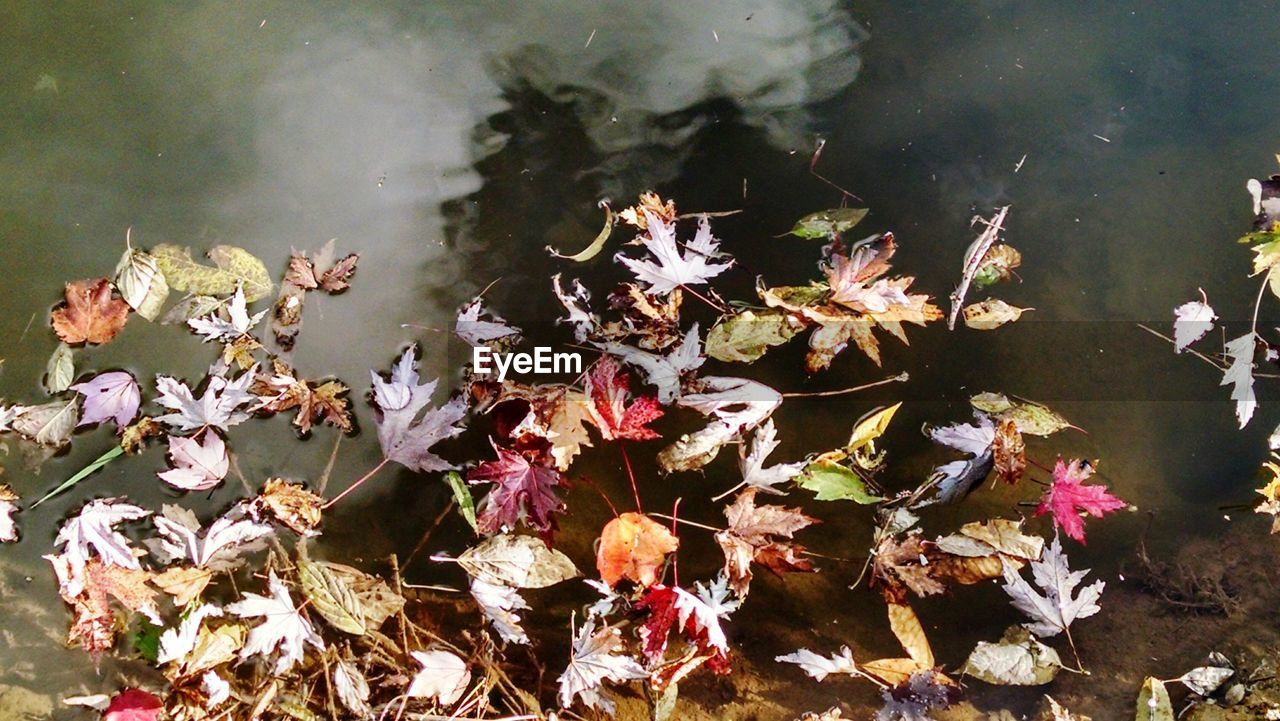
973,261
630,475
902,377
813,170
328,467
357,484
687,522
430,529
1207,359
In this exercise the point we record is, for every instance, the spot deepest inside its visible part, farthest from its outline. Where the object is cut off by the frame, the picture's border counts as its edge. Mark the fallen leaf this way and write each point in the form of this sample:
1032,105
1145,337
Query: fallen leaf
218,547
673,269
8,506
991,314
332,597
736,405
596,245
499,603
747,335
197,466
49,424
834,482
1067,497
1153,702
751,464
593,661
760,534
140,282
906,626
828,223
1009,451
133,705
407,427
283,628
60,370
1058,603
521,492
1239,375
1018,659
634,547
91,314
232,267
819,667
900,565
1191,321
352,688
443,677
517,561
113,396
223,404
608,387
291,504
669,371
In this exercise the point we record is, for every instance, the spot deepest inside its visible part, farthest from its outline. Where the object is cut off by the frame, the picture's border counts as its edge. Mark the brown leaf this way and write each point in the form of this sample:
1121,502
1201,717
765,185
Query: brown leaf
1010,451
286,392
91,314
292,505
184,584
134,438
634,547
906,626
968,570
897,567
755,533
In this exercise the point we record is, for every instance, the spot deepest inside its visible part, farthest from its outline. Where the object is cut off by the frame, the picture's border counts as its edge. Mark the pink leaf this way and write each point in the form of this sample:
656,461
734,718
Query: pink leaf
133,705
608,387
109,396
1068,497
196,466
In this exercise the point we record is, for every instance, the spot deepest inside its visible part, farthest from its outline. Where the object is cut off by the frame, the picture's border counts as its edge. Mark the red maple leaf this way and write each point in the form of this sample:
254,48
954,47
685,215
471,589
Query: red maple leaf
660,602
608,387
133,705
522,491
1068,497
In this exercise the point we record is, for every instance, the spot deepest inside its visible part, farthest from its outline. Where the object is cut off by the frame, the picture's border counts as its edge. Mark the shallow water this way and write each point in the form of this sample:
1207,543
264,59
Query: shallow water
448,143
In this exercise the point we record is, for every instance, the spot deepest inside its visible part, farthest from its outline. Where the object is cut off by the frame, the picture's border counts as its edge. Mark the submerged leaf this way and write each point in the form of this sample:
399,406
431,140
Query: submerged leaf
517,561
1153,702
1059,603
1018,659
332,597
828,223
232,267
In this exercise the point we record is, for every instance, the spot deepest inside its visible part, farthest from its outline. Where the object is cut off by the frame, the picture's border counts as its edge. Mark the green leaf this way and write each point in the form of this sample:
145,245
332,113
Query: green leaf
83,473
141,283
1260,236
60,370
462,495
834,482
332,597
827,223
232,266
147,641
1153,702
747,335
1032,418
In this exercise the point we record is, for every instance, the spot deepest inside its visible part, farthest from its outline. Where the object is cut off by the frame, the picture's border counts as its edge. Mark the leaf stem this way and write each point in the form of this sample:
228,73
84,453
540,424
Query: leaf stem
900,378
357,484
635,491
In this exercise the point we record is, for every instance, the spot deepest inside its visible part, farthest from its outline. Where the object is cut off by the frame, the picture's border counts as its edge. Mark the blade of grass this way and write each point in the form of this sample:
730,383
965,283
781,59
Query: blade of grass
83,473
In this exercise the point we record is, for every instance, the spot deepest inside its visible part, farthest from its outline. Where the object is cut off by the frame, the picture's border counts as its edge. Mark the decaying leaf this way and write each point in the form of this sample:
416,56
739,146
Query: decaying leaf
746,336
828,223
1031,418
901,565
291,504
8,506
760,534
232,267
594,661
90,315
140,282
1009,451
332,597
60,370
1153,702
736,405
991,314
407,427
1018,659
634,547
1239,375
49,424
517,561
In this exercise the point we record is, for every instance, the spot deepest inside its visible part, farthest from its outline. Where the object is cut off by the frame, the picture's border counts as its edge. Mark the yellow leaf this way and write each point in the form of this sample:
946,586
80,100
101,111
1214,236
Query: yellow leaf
871,428
991,314
906,626
892,671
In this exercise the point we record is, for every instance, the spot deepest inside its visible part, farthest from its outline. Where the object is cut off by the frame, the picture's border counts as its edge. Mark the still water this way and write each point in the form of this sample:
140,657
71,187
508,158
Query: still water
448,143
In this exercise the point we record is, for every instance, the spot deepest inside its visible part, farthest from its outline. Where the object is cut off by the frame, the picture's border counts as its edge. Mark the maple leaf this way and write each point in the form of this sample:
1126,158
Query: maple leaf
87,591
499,603
735,405
898,566
405,437
673,269
218,547
476,332
575,303
1058,603
333,279
283,628
607,386
283,391
133,705
94,528
291,504
697,617
223,404
633,546
443,677
819,667
237,323
761,534
1191,321
913,699
593,661
91,314
754,474
666,372
111,396
197,466
8,506
1067,497
557,415
522,491
974,439
1239,375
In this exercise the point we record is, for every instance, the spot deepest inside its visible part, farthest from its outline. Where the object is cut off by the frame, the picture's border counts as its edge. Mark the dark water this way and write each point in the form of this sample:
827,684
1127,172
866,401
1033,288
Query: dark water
449,142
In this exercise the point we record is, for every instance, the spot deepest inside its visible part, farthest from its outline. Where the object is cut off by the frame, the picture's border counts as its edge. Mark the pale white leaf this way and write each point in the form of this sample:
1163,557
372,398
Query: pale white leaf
752,466
177,643
596,659
1190,323
476,331
282,629
352,687
499,604
223,404
219,547
1057,603
197,465
443,677
94,528
664,372
1239,375
673,269
819,667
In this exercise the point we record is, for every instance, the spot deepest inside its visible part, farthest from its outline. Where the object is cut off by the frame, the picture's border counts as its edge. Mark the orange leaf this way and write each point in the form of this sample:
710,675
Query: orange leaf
90,315
633,546
906,626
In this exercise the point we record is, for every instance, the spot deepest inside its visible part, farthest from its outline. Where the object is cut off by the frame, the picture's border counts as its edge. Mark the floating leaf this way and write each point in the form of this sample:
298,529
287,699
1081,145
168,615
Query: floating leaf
1153,702
49,424
596,246
828,223
90,314
1018,659
744,337
462,496
634,547
331,597
232,266
834,482
140,282
991,314
518,561
60,370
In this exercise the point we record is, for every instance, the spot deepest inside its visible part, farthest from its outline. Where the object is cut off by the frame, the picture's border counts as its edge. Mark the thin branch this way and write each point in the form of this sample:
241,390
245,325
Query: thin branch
902,377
